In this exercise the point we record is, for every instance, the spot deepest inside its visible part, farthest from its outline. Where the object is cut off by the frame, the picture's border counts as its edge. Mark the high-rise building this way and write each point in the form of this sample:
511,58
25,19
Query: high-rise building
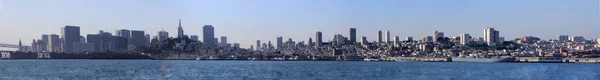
138,38
437,35
279,42
396,41
491,36
79,47
209,34
123,33
363,40
163,35
224,40
353,35
70,35
216,40
54,43
387,36
147,40
34,45
20,46
563,37
339,39
319,37
257,45
409,38
576,38
236,45
379,36
310,42
194,37
465,39
180,30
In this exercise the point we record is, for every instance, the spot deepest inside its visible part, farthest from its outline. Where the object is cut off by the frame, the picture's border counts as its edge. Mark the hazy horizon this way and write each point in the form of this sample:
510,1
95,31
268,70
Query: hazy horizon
245,21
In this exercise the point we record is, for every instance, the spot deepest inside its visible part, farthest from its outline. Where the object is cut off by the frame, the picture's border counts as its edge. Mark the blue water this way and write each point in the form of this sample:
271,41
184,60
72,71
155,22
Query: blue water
297,70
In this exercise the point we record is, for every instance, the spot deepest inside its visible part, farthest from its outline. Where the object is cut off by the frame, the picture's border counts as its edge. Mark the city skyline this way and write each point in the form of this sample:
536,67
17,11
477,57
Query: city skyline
577,23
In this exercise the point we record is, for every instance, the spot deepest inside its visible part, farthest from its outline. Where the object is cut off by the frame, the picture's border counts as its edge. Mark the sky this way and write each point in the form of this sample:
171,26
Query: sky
245,21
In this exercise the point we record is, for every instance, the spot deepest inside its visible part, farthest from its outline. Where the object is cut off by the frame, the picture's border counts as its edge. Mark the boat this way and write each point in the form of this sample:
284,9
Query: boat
477,59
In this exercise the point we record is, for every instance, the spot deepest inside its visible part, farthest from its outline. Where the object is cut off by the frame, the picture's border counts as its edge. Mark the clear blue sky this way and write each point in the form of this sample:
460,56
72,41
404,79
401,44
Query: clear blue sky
246,21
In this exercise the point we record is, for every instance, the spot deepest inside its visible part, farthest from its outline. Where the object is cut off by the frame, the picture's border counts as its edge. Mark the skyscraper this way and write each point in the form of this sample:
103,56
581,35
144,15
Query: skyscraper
363,40
491,36
34,45
194,37
20,46
465,39
147,39
70,34
396,41
123,33
224,40
387,36
257,45
353,35
319,37
409,38
576,38
437,35
209,34
163,35
279,42
563,37
310,42
138,38
180,30
379,36
54,43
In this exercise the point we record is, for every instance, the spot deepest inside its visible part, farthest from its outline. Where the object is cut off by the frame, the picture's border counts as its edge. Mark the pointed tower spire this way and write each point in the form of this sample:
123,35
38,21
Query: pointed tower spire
20,45
180,30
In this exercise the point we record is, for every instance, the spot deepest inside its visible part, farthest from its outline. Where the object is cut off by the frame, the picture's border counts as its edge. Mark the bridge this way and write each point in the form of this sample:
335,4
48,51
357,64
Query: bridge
9,45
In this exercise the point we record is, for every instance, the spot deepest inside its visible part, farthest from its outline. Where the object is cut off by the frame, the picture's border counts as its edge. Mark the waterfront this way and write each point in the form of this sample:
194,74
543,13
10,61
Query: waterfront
302,70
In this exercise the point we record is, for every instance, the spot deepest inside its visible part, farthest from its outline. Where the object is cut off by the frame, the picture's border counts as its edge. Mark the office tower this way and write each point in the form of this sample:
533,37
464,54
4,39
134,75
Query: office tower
216,40
270,45
379,40
353,35
34,45
319,37
70,35
163,35
257,45
42,45
363,40
194,37
208,34
396,41
104,41
437,36
54,43
563,37
251,47
81,39
310,42
138,38
123,33
465,39
576,38
180,30
20,46
224,40
236,45
491,36
120,43
280,42
409,38
147,40
428,39
339,39
387,36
